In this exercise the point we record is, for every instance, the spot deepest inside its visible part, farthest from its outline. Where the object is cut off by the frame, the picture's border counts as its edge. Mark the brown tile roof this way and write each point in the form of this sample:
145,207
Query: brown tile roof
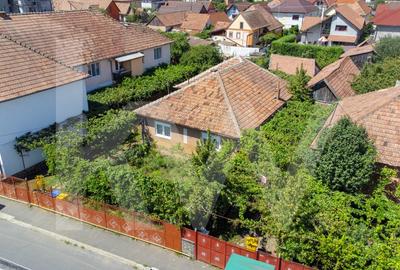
338,76
171,19
350,15
66,5
234,96
379,113
241,6
255,19
273,23
388,14
289,64
123,6
346,39
24,71
174,6
220,26
358,50
195,21
79,37
216,17
311,21
294,6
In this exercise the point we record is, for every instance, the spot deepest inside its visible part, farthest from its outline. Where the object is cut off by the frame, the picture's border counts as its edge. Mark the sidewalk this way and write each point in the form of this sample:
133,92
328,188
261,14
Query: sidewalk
131,249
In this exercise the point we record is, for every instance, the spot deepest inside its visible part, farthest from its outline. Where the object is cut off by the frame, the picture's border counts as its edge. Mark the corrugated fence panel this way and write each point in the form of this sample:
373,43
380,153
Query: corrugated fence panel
203,254
267,258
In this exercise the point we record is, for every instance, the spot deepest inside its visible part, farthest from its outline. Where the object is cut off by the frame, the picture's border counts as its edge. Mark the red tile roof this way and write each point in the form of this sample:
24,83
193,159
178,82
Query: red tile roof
338,76
311,21
273,23
226,99
352,16
171,19
24,71
195,22
79,37
346,39
216,17
290,64
66,5
359,50
388,14
379,113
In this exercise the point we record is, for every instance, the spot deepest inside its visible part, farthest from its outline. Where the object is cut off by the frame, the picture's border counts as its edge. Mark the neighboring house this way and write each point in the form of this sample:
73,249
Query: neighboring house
290,64
196,7
234,9
35,92
314,30
359,6
250,25
379,113
333,82
90,42
67,5
167,21
120,9
387,20
346,26
195,23
219,22
292,12
151,4
360,55
226,100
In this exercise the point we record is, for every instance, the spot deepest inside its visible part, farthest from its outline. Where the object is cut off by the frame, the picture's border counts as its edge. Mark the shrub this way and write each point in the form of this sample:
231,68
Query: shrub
298,86
291,38
347,157
378,76
388,47
202,57
180,45
323,55
269,37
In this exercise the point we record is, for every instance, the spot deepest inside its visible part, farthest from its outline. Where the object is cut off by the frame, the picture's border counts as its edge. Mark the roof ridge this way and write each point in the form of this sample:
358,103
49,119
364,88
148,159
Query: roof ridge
36,51
228,103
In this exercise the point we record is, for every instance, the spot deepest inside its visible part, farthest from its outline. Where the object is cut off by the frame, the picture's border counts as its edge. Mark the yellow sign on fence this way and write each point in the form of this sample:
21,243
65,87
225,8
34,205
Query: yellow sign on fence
251,243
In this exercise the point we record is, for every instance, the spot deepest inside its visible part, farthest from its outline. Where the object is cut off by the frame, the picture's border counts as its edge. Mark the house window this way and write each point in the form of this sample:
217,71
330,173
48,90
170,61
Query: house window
163,130
340,28
295,17
94,69
157,53
241,25
215,138
185,135
230,34
237,35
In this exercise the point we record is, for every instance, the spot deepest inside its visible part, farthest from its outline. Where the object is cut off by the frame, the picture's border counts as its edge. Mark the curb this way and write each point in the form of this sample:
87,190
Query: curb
12,265
59,237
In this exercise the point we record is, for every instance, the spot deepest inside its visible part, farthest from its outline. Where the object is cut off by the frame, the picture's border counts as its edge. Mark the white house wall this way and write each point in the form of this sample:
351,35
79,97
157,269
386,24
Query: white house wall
35,112
387,31
287,19
150,62
312,35
104,79
339,20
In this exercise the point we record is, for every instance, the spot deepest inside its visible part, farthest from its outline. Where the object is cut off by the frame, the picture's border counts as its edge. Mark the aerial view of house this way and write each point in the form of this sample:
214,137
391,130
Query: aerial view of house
290,64
291,13
387,20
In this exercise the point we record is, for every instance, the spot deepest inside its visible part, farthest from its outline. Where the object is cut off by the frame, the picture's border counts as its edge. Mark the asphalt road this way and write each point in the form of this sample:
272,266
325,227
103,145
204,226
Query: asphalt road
41,252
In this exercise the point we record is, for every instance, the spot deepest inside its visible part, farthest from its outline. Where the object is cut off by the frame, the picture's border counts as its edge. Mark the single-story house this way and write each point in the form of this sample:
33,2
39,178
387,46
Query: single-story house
333,82
250,25
290,64
379,113
196,7
35,92
226,100
360,55
90,42
387,20
194,23
235,9
167,21
314,29
292,12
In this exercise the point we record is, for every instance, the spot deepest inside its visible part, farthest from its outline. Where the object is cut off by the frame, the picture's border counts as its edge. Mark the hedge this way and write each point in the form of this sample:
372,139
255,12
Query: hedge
323,55
287,39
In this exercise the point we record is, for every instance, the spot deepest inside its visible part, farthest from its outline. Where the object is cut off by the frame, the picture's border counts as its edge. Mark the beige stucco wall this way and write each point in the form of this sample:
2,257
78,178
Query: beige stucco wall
137,66
245,39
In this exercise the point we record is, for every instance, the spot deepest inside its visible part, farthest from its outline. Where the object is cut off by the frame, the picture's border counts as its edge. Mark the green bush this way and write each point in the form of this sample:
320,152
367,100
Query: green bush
388,47
202,57
298,85
269,37
323,55
180,45
346,157
291,38
378,76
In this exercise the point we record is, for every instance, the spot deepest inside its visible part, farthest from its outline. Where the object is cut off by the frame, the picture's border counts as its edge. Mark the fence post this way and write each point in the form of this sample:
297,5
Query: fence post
195,244
105,214
27,190
79,209
15,190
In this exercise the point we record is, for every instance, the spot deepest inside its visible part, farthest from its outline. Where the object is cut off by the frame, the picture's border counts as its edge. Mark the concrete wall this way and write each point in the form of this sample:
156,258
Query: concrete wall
237,51
32,113
385,31
104,79
150,62
312,35
340,20
234,28
287,21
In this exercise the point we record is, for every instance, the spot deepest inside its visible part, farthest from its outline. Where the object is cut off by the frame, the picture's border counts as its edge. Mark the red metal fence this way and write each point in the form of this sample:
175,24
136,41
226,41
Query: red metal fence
202,247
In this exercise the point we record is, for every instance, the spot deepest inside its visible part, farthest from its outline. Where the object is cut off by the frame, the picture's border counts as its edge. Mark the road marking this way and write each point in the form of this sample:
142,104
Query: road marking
65,239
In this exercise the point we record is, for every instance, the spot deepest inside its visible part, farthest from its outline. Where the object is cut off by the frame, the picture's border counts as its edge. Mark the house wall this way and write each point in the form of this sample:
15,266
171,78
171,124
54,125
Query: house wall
102,80
312,35
113,11
322,93
150,62
361,59
384,31
35,112
340,20
234,28
287,21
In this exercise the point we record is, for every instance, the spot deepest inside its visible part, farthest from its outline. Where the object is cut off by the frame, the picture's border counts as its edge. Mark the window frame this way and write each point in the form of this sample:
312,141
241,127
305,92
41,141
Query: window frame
338,26
230,34
241,25
238,35
295,16
163,125
94,67
156,55
216,138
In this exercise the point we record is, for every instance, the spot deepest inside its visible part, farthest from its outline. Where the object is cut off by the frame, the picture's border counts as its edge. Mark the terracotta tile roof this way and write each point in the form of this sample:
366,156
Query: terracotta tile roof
274,3
358,51
241,6
171,19
350,15
273,23
66,5
289,64
220,26
294,6
24,71
216,17
311,21
174,6
388,14
338,76
79,37
123,6
238,95
195,21
347,39
379,113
